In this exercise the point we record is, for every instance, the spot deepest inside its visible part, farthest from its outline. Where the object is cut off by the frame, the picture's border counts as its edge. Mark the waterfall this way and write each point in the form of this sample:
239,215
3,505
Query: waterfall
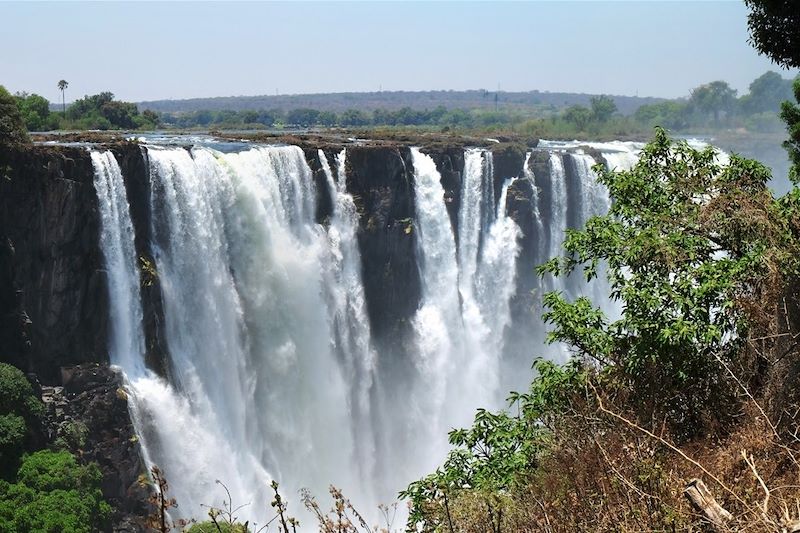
271,371
594,198
348,313
438,321
465,291
117,244
558,209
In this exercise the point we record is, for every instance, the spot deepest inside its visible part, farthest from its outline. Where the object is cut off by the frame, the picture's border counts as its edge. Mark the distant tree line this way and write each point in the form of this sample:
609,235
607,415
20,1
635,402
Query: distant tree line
96,112
307,117
710,106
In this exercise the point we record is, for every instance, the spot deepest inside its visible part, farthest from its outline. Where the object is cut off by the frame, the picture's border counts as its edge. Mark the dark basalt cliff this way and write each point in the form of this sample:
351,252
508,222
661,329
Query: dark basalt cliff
381,181
54,306
53,310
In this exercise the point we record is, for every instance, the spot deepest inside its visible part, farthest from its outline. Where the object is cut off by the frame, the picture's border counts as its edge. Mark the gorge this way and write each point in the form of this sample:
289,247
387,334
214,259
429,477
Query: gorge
316,311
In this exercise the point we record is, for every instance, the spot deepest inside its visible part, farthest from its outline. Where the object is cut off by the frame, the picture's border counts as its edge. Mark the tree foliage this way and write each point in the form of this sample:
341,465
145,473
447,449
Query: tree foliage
716,98
767,92
101,111
602,108
790,113
686,243
578,115
775,30
494,456
20,411
53,493
12,128
35,111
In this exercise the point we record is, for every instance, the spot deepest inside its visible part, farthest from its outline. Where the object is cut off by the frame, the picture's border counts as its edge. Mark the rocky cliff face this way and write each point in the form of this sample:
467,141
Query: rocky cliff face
53,299
381,181
53,309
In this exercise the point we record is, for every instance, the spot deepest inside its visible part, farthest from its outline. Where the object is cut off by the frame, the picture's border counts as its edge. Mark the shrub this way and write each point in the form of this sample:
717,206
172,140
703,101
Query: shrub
53,493
16,393
20,410
12,129
216,527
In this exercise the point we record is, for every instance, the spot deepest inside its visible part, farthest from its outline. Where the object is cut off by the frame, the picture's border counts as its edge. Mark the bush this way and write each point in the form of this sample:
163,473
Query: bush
216,527
16,393
20,411
12,442
691,249
12,128
53,493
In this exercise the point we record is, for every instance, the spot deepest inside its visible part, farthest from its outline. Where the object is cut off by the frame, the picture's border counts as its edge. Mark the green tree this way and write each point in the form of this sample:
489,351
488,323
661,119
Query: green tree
775,30
602,108
353,117
670,114
53,493
302,117
62,86
120,114
35,111
494,456
578,115
790,113
149,119
767,92
20,411
715,98
12,128
686,244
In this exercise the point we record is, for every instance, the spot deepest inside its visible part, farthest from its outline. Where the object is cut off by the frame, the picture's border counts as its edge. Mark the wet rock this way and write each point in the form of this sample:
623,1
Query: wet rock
381,180
89,415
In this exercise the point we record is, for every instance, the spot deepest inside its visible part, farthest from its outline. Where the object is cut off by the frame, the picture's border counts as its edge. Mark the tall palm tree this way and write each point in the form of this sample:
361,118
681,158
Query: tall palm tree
62,85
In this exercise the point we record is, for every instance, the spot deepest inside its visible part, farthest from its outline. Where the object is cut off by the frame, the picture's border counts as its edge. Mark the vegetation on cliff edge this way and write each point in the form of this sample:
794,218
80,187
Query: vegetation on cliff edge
46,490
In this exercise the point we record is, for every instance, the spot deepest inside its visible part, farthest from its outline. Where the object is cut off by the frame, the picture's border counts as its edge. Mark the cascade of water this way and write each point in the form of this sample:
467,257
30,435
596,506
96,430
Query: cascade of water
495,281
117,243
537,215
438,321
271,364
465,297
558,208
472,217
160,416
236,243
348,314
594,195
620,160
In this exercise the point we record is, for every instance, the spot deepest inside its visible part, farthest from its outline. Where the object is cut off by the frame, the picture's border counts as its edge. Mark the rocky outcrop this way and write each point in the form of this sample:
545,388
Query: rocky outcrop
381,180
134,164
88,413
508,159
449,161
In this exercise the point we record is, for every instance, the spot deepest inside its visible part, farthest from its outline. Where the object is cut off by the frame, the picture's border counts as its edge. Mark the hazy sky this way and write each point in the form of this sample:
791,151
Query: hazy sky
147,51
